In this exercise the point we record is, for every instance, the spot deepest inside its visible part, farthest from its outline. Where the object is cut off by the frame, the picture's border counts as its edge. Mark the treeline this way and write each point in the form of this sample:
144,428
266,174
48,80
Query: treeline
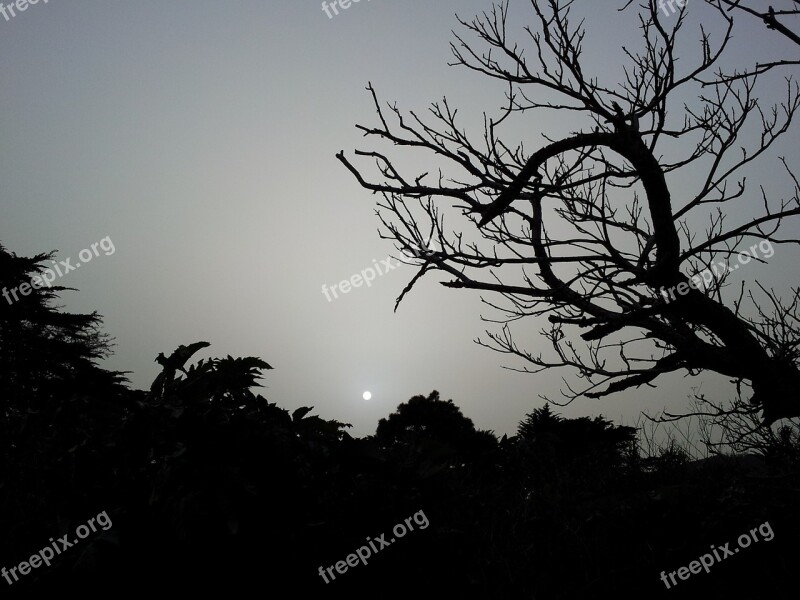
209,487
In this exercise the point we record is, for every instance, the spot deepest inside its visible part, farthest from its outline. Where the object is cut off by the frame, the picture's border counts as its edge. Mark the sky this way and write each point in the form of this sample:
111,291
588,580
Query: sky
199,137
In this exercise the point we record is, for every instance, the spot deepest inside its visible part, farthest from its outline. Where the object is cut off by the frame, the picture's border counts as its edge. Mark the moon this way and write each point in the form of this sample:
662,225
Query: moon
366,395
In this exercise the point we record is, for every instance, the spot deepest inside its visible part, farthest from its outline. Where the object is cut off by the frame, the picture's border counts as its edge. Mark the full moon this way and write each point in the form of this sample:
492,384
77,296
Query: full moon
366,395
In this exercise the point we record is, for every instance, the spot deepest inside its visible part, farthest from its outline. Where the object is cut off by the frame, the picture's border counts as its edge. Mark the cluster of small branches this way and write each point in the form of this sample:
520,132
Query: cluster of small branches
585,231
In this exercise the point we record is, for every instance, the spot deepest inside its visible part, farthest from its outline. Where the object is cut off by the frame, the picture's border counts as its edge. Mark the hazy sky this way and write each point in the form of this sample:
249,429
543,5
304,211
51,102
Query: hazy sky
200,137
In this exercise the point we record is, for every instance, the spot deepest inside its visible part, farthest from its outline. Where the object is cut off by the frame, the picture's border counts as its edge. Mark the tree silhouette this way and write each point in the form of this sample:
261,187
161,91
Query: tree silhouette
583,438
585,230
771,20
45,352
593,449
209,484
426,420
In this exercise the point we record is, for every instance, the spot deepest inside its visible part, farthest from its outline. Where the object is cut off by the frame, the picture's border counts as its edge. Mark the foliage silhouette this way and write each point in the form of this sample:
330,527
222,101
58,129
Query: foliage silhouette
43,351
212,487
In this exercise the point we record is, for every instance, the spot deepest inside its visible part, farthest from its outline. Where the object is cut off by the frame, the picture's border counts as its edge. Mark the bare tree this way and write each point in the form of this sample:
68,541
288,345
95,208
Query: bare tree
770,17
585,230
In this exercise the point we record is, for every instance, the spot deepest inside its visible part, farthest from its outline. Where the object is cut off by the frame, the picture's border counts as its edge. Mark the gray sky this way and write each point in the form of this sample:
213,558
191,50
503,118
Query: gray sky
200,137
